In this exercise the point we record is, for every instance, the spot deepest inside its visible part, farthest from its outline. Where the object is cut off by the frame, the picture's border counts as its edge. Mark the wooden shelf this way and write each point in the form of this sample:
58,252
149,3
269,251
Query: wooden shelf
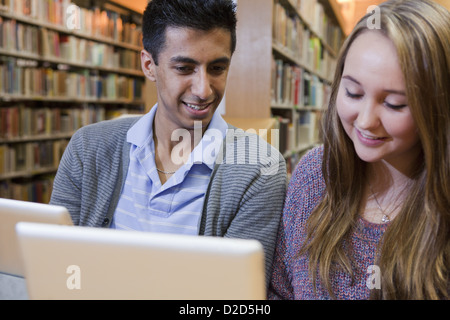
62,29
27,173
262,126
65,99
40,137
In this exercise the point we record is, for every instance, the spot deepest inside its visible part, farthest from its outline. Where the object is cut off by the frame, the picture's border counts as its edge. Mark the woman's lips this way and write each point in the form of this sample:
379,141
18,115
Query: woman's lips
370,140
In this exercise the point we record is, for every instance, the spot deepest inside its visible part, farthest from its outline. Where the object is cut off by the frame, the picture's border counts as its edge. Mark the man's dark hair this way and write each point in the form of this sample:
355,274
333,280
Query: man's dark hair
195,14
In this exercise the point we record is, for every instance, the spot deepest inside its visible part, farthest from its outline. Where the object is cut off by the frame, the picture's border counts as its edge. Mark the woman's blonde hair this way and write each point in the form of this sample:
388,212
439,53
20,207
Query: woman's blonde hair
414,254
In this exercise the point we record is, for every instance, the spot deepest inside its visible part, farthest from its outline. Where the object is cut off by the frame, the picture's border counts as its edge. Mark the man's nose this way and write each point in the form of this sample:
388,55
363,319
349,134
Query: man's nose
201,85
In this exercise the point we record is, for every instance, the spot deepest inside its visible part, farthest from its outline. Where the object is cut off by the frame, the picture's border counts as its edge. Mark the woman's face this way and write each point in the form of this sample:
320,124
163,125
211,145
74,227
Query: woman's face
372,105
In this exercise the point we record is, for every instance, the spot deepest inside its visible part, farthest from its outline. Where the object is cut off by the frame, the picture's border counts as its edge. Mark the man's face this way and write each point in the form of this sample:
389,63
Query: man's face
190,76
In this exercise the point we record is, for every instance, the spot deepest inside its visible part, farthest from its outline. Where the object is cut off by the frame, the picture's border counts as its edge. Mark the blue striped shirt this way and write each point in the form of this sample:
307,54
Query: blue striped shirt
175,206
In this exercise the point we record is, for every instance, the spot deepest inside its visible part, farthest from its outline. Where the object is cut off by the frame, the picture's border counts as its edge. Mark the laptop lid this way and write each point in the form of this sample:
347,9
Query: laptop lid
92,263
13,211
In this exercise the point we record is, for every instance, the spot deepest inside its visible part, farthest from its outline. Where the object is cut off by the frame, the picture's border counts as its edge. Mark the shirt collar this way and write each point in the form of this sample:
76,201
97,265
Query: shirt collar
141,134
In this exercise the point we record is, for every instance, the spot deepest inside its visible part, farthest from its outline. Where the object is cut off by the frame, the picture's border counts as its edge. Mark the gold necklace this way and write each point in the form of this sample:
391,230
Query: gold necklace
385,218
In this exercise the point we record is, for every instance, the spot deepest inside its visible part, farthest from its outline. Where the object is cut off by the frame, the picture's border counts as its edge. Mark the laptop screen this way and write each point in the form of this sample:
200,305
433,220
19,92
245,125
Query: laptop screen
14,211
73,262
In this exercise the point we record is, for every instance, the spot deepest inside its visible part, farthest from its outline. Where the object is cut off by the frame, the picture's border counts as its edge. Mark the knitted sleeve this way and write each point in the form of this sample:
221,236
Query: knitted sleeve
67,186
90,175
304,191
245,201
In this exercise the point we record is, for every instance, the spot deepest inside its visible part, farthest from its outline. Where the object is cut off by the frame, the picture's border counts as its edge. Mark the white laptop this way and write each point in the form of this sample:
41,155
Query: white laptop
63,262
13,211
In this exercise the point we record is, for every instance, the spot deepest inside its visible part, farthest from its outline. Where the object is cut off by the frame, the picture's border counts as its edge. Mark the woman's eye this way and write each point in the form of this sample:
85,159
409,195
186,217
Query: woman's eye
352,95
394,106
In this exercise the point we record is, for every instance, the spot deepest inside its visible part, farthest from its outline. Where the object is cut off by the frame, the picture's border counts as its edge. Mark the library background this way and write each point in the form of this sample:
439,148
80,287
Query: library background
65,64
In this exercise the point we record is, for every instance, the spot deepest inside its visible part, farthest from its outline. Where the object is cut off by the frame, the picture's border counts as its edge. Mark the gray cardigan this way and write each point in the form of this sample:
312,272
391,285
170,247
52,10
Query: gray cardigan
243,199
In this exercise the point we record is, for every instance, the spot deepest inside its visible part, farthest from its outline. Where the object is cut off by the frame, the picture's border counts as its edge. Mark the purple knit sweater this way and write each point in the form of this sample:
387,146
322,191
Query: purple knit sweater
290,277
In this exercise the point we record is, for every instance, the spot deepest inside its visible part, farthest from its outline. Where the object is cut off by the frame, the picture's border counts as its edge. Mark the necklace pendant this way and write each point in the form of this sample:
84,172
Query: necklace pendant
385,219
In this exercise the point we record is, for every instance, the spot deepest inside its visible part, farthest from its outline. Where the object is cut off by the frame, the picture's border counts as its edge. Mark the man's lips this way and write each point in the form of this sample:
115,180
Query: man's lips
196,106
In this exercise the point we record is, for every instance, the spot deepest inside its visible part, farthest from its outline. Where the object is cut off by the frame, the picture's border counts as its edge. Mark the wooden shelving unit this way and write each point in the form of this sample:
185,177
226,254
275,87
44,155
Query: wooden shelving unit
55,79
284,38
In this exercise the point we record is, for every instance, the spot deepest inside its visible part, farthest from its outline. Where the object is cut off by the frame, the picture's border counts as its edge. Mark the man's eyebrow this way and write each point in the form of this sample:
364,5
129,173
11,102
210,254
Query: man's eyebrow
221,60
400,92
182,59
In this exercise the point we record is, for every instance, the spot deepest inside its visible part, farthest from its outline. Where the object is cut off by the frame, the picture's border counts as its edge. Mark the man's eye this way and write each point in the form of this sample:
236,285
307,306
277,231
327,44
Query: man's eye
183,69
352,95
218,68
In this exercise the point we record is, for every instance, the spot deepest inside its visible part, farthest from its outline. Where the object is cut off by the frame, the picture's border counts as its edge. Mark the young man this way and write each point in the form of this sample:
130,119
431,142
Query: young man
180,168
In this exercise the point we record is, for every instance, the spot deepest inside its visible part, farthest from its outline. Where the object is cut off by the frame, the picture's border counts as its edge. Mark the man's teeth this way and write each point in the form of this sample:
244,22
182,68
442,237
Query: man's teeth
195,107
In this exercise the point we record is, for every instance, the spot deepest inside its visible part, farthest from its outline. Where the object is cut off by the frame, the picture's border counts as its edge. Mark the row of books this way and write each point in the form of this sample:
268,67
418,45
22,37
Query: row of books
49,44
22,121
103,23
313,13
287,139
17,78
17,36
31,156
78,50
294,86
289,31
36,190
52,11
87,21
298,131
308,127
292,37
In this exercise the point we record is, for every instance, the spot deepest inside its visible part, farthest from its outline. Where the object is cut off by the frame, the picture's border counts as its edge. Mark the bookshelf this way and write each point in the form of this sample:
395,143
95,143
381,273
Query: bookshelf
63,64
283,68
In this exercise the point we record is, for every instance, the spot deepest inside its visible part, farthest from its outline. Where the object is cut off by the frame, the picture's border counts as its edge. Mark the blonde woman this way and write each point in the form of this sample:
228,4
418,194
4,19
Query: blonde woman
367,215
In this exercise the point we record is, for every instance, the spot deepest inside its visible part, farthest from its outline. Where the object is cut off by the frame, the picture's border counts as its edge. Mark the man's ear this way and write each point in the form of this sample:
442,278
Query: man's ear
148,65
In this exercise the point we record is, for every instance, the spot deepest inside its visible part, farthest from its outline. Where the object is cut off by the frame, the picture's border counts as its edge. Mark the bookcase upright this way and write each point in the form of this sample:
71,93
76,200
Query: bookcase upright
282,69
